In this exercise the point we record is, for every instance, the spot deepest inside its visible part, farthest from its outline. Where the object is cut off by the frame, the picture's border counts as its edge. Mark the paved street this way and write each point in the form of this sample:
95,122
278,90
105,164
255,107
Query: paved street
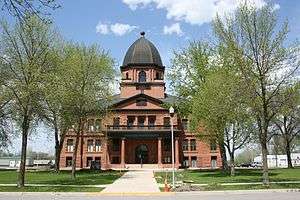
133,181
230,195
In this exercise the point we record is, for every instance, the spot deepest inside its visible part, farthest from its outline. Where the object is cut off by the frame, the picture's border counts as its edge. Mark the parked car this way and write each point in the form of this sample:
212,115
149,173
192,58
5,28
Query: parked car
245,165
256,164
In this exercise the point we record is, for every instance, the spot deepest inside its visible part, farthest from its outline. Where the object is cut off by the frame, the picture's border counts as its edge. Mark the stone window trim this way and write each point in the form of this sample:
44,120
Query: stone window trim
69,161
90,145
213,146
98,145
193,145
142,77
158,75
185,124
185,145
93,125
70,145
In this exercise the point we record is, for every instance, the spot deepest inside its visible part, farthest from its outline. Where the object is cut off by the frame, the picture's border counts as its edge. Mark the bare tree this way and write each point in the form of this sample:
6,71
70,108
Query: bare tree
23,8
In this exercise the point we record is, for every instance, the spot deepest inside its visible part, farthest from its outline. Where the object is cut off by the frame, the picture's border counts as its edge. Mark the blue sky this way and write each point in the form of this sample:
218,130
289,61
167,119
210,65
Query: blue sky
169,24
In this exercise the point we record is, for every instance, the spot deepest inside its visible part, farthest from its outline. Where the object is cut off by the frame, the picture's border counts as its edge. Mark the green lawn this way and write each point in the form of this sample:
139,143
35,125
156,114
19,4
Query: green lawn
216,187
62,178
49,189
242,175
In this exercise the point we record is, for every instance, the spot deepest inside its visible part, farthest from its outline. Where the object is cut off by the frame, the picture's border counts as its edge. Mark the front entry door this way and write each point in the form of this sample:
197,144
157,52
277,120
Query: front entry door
141,154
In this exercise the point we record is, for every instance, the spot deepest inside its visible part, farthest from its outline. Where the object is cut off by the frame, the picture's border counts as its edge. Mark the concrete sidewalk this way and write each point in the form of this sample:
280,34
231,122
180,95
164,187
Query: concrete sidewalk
134,181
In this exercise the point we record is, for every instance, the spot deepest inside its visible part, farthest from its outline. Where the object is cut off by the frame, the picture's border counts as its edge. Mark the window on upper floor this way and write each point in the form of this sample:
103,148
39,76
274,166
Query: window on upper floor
158,76
151,121
213,146
97,145
185,145
98,125
141,121
142,76
167,122
90,145
127,75
193,144
130,121
185,124
90,125
116,122
70,145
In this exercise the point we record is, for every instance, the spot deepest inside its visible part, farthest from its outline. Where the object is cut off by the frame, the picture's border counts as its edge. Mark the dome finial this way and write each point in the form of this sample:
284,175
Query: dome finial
142,33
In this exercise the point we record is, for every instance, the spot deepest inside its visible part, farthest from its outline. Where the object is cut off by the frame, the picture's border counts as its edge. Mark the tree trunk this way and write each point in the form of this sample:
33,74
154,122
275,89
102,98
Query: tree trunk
75,150
288,154
25,129
223,156
57,148
74,156
232,168
264,150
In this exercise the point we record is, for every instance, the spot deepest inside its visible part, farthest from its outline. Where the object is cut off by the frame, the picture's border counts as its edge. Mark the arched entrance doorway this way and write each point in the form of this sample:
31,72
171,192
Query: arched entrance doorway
141,154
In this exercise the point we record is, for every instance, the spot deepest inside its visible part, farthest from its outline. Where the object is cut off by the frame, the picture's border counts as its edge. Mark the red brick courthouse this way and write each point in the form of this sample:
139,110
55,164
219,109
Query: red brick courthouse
137,128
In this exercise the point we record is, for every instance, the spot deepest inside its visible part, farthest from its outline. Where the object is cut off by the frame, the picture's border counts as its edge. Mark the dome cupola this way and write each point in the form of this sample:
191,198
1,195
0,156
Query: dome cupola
142,52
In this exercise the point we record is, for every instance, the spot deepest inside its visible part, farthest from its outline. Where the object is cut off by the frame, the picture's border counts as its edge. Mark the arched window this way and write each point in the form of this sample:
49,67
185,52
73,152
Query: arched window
142,76
127,76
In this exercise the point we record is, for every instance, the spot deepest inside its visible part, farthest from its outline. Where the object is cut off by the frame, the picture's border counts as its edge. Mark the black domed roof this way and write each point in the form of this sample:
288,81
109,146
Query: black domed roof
142,51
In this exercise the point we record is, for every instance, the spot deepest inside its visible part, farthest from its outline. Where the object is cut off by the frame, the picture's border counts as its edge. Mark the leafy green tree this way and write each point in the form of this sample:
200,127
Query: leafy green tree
287,121
220,106
189,68
52,113
257,45
24,52
5,117
86,76
5,124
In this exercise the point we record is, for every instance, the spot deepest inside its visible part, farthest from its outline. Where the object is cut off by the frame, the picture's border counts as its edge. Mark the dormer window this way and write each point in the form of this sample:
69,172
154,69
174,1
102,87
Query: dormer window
142,76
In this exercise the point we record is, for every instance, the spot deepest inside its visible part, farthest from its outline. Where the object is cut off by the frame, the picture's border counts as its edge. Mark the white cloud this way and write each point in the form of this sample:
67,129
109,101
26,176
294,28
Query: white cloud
194,11
121,29
118,29
102,28
174,28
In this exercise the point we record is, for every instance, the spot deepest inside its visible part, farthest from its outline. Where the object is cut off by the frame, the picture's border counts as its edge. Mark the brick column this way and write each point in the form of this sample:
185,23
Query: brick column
176,152
123,153
159,152
104,157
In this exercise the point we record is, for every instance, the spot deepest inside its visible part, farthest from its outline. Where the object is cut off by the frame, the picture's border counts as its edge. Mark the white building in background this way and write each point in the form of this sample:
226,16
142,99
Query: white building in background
280,160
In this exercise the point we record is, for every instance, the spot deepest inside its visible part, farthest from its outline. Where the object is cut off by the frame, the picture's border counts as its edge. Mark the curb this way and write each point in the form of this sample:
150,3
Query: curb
241,191
221,192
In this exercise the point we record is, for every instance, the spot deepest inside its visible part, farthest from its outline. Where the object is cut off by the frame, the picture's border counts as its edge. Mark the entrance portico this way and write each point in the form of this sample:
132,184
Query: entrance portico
153,149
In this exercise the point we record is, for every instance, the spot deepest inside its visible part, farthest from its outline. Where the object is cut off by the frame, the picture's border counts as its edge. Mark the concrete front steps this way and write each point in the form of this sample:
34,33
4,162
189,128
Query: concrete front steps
141,167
